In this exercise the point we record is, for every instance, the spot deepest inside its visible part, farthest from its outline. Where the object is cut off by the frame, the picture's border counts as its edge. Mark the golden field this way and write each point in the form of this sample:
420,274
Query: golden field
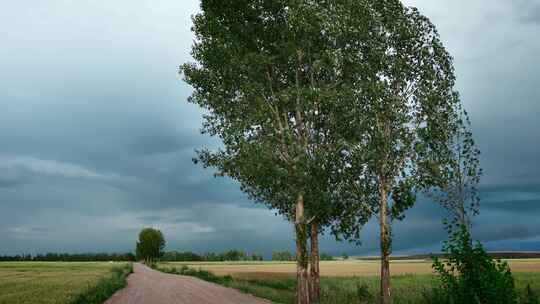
49,282
348,268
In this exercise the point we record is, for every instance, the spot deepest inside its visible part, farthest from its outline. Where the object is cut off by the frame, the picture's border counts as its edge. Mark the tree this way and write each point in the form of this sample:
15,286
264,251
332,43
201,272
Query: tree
458,190
403,121
274,76
150,245
468,274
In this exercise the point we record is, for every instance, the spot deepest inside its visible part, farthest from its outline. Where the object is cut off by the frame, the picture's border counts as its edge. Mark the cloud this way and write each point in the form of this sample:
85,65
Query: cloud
96,136
28,232
18,170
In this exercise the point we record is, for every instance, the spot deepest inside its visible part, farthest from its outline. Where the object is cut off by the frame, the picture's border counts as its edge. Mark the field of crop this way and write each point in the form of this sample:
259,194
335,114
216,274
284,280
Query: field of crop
341,281
51,282
348,268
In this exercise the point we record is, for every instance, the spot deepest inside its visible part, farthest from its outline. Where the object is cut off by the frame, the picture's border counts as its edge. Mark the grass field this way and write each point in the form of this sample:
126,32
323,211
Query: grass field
58,282
341,279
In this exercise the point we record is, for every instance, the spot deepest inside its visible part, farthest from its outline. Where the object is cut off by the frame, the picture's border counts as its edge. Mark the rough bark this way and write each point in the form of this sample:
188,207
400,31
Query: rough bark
315,278
302,274
385,245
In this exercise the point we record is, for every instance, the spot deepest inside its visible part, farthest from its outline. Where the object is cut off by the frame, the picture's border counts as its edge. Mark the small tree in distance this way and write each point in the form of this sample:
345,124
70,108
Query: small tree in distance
150,245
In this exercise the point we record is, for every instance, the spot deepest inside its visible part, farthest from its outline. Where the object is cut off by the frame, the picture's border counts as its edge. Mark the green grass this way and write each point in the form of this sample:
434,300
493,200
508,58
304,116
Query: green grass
106,287
407,289
60,282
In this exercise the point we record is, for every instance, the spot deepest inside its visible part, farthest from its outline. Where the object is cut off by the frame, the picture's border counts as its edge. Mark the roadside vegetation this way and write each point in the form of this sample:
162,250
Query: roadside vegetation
106,287
60,282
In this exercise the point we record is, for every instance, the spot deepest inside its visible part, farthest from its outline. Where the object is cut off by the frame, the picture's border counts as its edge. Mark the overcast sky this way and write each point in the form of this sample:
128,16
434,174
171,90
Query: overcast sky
96,136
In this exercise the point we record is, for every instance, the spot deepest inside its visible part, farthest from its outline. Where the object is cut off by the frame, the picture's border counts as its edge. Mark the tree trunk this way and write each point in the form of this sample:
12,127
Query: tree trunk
302,275
315,278
385,245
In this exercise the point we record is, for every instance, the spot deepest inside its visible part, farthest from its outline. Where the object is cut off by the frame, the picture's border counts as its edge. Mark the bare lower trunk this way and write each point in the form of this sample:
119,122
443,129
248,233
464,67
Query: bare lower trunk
385,246
302,275
315,278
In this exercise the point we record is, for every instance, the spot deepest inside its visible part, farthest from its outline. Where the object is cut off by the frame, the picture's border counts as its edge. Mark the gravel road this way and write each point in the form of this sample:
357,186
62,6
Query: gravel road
148,286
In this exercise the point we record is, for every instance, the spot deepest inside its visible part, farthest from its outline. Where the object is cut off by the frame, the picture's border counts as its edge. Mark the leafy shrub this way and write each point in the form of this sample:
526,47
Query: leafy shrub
198,273
346,293
363,294
530,296
470,276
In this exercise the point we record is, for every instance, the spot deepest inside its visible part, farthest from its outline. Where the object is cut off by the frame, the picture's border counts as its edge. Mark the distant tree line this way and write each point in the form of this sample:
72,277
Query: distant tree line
283,256
288,256
231,255
169,256
70,257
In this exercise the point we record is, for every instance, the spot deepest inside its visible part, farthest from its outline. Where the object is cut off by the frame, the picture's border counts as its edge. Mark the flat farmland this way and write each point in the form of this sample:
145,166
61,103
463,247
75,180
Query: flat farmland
349,268
49,282
411,279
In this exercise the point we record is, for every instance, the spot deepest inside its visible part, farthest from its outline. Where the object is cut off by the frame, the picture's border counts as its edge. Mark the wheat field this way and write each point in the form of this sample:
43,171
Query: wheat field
348,268
49,282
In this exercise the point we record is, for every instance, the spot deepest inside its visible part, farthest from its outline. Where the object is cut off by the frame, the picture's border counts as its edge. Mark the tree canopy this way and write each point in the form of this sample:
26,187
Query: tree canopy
327,110
150,245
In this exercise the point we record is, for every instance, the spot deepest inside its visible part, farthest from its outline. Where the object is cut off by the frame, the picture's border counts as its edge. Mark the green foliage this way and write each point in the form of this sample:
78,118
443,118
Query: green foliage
276,77
283,256
530,297
230,255
458,182
349,105
150,245
326,257
470,276
345,256
198,273
106,287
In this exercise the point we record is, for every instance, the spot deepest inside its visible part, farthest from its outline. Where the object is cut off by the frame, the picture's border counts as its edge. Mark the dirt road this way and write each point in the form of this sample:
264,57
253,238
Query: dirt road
147,286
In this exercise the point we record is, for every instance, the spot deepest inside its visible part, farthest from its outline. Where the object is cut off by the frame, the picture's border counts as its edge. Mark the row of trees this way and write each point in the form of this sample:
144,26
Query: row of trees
331,113
283,256
231,255
168,256
70,257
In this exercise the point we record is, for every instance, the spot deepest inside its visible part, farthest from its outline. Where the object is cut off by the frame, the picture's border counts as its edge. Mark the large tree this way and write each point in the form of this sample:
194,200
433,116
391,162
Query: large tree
274,77
404,121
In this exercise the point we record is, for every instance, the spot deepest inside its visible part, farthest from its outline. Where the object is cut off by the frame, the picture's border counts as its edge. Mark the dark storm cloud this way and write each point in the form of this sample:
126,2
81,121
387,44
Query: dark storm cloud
95,131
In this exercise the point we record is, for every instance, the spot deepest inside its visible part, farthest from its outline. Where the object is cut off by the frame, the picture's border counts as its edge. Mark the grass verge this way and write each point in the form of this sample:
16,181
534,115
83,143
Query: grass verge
106,287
